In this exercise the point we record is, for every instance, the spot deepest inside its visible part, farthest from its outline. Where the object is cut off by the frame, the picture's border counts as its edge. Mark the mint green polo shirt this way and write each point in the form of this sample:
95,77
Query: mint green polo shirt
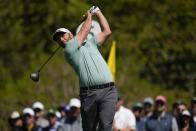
87,62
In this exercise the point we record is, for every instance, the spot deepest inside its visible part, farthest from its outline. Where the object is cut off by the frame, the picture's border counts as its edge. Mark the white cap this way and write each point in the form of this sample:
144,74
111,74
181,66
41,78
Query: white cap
74,102
186,113
14,115
28,111
58,114
63,30
148,100
38,105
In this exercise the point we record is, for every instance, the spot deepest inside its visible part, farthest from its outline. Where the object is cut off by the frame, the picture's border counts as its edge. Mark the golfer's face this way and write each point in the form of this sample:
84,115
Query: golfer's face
63,38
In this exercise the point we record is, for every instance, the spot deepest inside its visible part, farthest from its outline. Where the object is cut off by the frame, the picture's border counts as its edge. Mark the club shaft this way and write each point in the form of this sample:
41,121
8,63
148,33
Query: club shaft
49,58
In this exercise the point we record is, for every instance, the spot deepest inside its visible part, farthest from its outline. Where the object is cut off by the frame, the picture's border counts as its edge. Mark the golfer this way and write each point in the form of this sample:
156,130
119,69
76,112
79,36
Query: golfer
97,91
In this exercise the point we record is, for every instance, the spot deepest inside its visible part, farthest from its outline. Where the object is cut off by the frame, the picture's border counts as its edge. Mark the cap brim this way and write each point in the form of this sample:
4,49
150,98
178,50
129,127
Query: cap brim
51,114
27,114
138,107
147,102
161,100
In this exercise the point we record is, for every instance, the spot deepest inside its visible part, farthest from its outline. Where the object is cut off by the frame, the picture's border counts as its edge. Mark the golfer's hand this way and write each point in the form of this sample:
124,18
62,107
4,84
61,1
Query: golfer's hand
88,14
94,9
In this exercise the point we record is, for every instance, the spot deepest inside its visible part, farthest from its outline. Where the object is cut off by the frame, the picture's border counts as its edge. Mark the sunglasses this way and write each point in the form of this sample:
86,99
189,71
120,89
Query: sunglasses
37,110
186,117
137,109
160,103
51,116
26,115
147,104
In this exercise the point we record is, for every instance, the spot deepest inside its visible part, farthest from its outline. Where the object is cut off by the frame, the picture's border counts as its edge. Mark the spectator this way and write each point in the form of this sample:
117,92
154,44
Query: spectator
58,115
175,108
148,104
64,110
161,120
186,123
28,118
193,111
124,119
54,124
181,108
38,108
15,121
73,121
137,111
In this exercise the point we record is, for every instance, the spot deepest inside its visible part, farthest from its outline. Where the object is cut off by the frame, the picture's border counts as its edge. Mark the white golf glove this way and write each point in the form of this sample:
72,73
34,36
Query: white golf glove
94,9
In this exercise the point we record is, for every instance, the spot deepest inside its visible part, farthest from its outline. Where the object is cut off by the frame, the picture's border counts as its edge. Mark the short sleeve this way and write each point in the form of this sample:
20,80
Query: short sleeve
131,120
94,40
174,125
71,46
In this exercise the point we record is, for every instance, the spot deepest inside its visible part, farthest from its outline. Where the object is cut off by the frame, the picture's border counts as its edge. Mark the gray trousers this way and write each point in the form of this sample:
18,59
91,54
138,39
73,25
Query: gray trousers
98,106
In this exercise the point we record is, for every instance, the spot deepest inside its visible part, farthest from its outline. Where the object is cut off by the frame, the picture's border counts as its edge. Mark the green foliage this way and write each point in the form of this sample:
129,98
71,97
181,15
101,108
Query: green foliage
156,47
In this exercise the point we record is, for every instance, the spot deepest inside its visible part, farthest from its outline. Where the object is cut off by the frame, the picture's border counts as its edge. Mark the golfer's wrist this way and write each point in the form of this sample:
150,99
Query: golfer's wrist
89,16
98,12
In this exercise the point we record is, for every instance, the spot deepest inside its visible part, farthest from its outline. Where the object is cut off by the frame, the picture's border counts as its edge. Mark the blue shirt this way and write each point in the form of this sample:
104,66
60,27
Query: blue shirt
140,124
71,124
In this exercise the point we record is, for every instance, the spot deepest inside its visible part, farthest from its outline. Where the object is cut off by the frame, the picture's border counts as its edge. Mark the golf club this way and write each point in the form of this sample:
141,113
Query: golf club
35,75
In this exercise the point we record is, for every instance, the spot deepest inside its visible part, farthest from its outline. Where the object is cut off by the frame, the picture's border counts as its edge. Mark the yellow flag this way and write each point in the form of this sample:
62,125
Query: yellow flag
112,60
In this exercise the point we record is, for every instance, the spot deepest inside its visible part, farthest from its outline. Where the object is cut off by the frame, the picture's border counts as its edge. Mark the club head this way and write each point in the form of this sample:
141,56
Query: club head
35,76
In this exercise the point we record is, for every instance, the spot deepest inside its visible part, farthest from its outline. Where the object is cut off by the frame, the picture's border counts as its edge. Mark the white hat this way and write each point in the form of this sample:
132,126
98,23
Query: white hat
74,102
28,111
58,114
186,113
14,115
60,30
38,105
148,100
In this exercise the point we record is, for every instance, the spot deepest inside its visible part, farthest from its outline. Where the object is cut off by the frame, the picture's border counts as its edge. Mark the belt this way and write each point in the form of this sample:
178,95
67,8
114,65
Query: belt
97,86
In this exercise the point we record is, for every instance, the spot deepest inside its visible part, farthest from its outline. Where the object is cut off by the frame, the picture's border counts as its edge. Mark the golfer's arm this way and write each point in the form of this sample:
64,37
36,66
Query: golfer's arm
86,27
101,37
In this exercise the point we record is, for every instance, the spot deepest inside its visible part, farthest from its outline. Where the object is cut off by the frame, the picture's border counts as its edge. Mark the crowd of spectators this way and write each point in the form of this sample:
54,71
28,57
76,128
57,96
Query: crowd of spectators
148,115
35,118
152,115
